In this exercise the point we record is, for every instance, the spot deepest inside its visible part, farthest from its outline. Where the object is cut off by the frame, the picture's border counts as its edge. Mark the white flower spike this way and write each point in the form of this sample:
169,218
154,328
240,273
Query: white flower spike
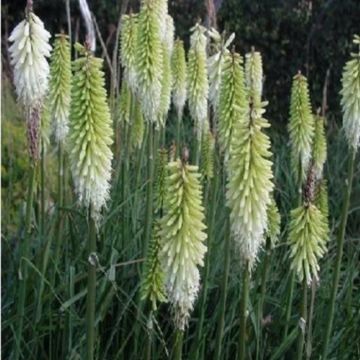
28,54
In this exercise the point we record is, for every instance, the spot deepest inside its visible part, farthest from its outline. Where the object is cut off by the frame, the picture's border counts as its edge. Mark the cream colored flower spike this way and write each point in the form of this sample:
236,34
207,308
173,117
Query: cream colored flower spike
254,75
90,134
149,61
182,238
60,87
28,54
350,100
198,86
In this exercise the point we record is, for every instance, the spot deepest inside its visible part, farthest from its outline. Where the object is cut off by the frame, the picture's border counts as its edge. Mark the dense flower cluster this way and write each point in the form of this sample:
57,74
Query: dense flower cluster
182,238
301,125
90,134
60,86
198,86
307,238
28,54
232,106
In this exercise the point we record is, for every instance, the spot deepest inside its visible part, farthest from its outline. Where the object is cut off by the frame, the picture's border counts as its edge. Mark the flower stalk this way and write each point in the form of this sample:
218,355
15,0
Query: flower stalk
350,102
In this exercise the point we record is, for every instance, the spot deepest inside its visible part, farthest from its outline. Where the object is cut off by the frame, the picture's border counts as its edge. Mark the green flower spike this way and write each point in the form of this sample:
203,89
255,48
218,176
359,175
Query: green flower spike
254,75
308,233
198,86
129,36
350,98
301,125
90,133
182,238
232,99
178,66
322,203
274,222
137,128
152,287
148,61
60,86
319,147
307,237
250,183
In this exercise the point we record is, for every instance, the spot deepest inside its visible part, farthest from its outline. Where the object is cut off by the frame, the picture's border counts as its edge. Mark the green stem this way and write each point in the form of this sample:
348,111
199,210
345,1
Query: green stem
153,137
262,293
42,234
91,294
291,286
179,336
211,220
339,253
289,297
243,312
149,336
42,191
221,323
149,191
139,163
178,135
24,254
59,225
303,319
124,182
308,349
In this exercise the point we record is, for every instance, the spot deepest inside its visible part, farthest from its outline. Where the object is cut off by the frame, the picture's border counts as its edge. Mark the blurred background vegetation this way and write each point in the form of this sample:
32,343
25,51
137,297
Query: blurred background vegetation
313,36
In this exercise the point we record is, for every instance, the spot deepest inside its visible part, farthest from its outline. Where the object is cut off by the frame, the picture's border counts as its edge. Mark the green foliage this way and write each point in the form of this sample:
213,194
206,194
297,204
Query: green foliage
14,160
